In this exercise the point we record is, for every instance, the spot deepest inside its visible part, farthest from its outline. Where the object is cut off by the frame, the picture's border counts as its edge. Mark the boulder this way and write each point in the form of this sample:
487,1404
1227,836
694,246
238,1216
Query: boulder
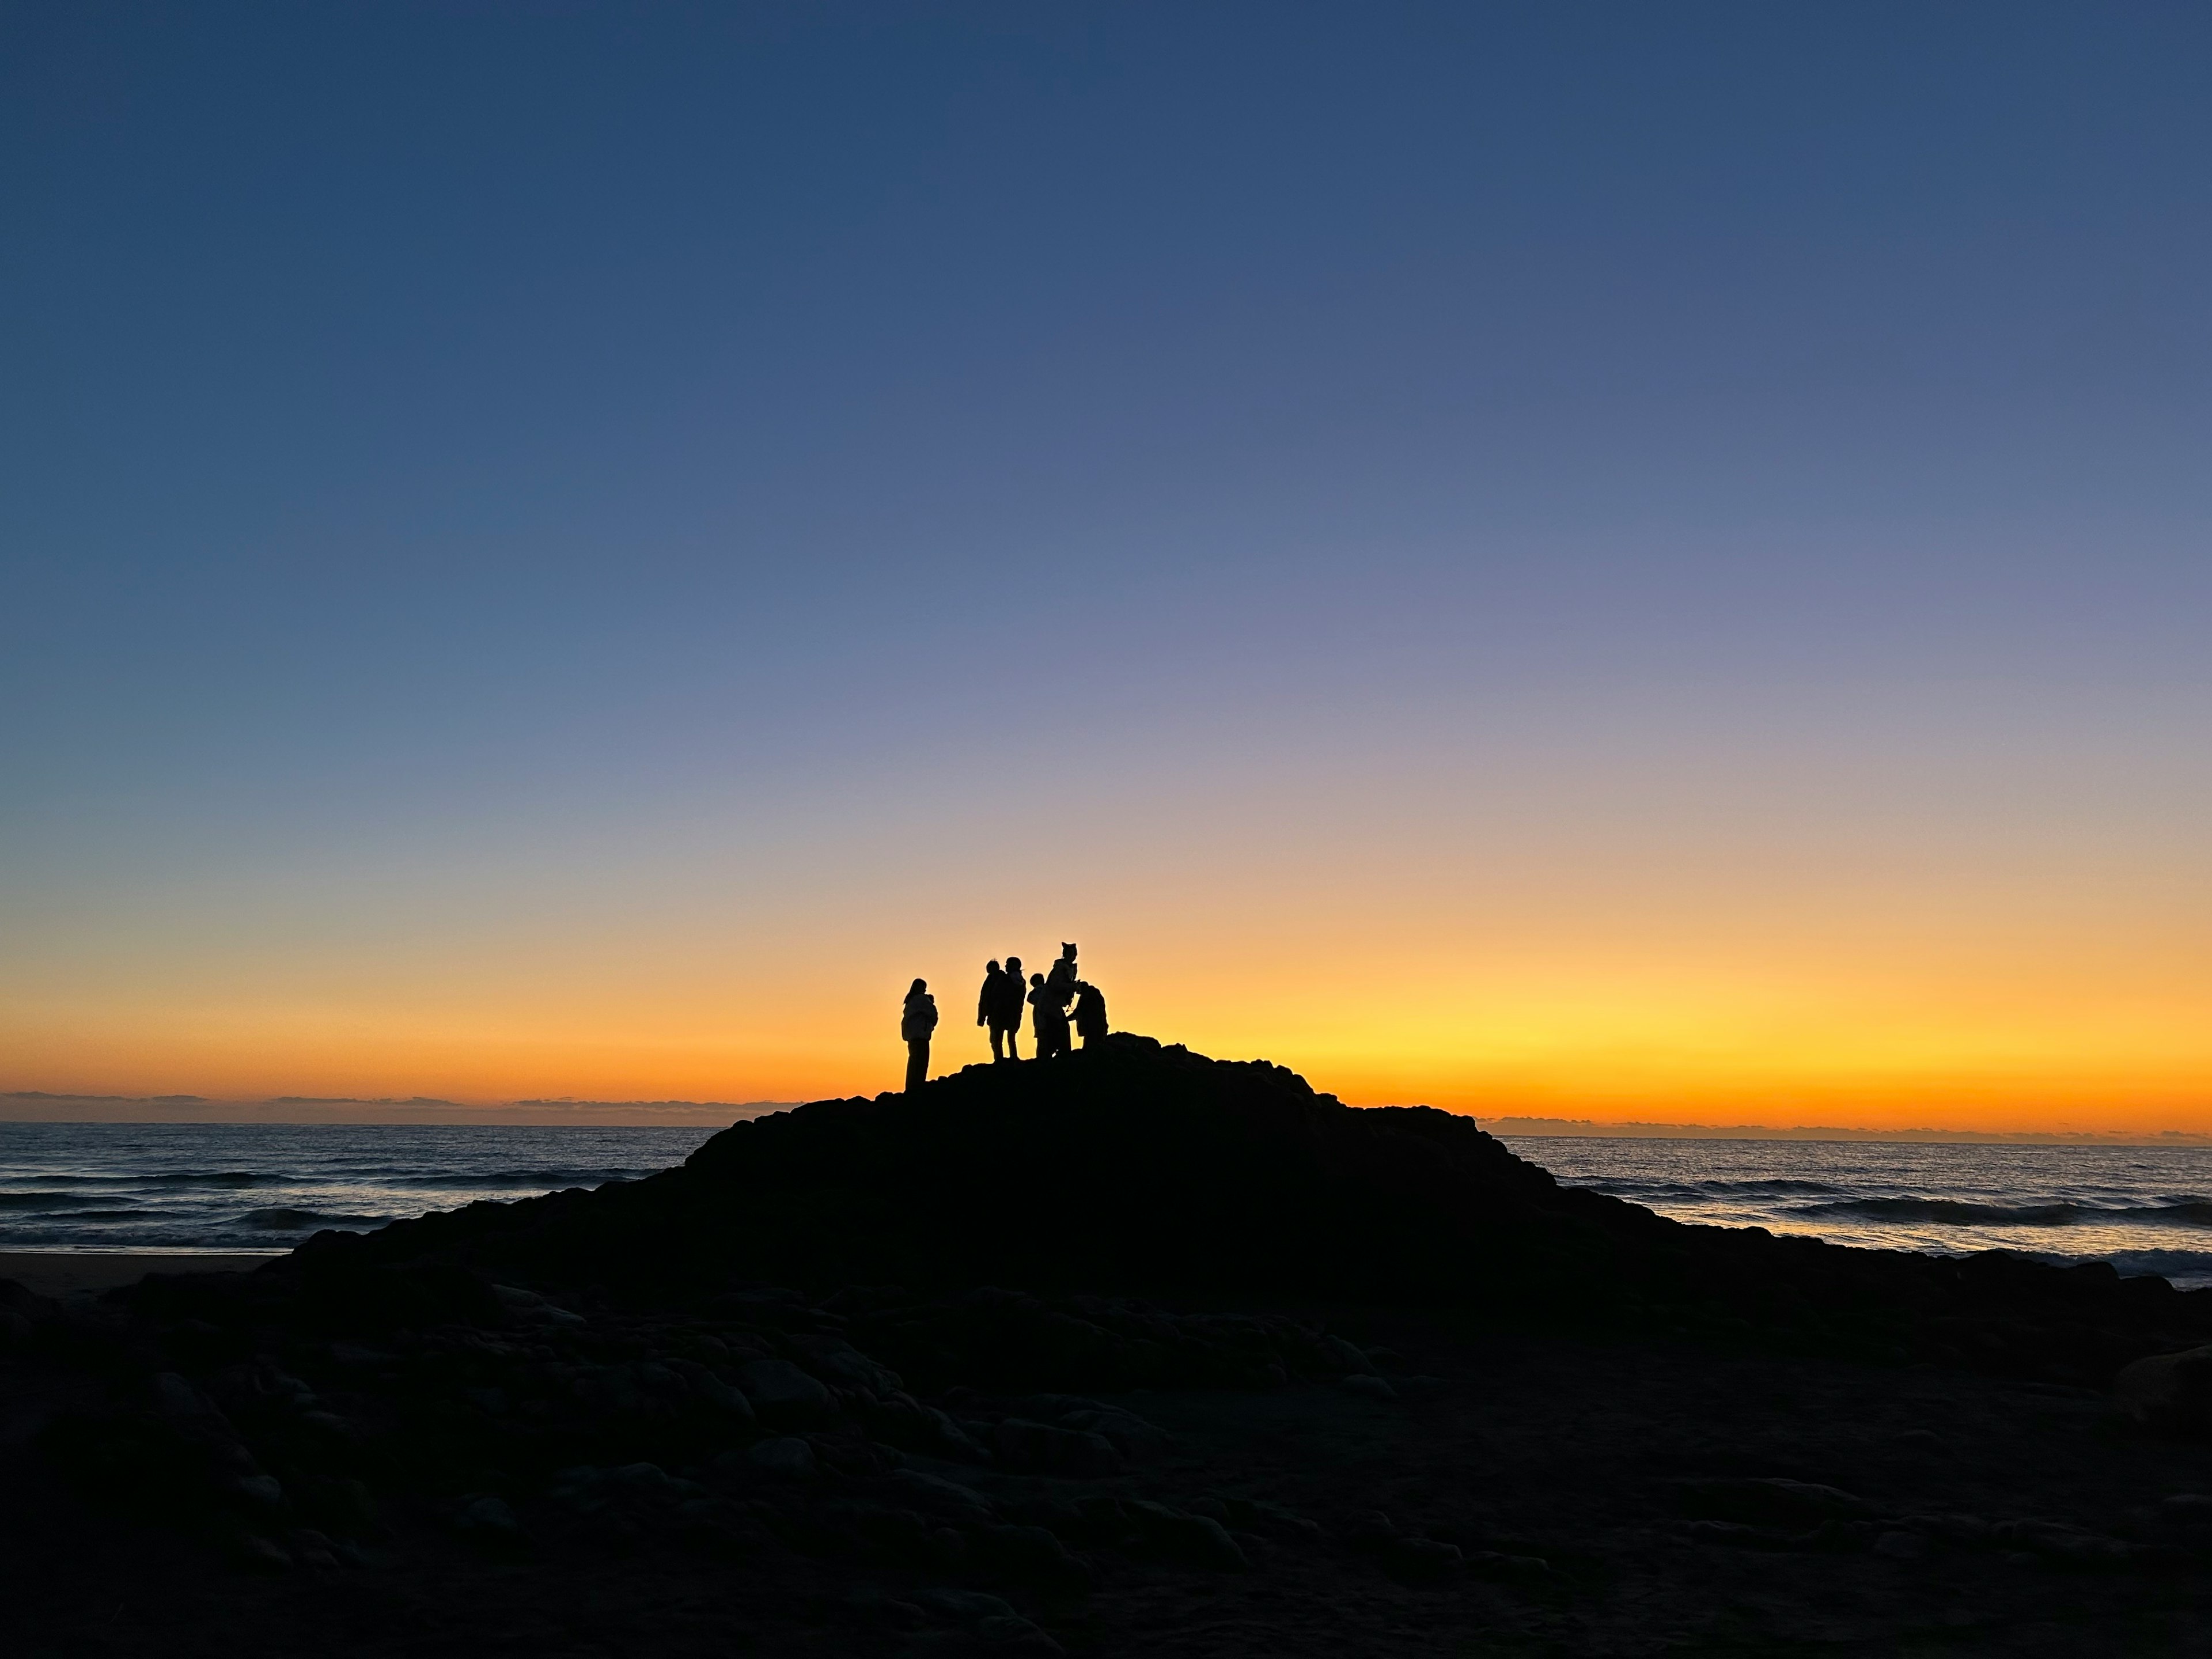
1132,1436
838,1360
1189,1541
2168,1393
1035,1553
785,1396
1423,1560
947,1499
1770,1501
1041,1448
899,1419
786,1455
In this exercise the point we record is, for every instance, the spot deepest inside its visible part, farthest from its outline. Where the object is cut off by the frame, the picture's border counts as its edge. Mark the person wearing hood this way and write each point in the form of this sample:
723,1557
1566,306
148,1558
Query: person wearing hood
915,1024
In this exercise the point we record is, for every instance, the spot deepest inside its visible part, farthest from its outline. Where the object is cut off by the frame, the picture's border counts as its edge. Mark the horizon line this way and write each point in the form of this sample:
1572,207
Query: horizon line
543,1112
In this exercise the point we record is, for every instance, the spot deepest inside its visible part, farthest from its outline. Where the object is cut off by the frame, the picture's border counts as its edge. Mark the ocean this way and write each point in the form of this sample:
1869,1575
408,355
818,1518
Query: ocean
2144,1209
213,1188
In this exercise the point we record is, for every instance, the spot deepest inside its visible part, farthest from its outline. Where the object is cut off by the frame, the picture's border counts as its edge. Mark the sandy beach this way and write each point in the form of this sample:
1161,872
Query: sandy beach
68,1272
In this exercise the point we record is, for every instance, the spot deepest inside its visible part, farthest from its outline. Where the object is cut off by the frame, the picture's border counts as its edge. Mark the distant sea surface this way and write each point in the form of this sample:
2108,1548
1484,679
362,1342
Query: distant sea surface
221,1187
2144,1209
194,1188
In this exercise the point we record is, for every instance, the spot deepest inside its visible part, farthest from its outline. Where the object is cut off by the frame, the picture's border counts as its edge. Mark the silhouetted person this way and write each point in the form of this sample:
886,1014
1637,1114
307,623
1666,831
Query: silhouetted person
1000,1006
1048,1019
987,1003
1005,1013
1063,976
1090,1012
918,1020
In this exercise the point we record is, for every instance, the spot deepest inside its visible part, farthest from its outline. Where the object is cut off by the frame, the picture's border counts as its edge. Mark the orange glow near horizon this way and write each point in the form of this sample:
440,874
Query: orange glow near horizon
1763,938
1506,1032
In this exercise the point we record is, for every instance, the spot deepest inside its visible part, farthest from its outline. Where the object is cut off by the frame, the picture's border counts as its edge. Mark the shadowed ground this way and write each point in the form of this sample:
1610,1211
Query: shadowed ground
1135,1352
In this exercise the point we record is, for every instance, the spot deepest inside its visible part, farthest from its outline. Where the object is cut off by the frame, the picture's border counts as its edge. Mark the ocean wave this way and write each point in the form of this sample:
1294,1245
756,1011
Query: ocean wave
288,1220
52,1201
533,1180
136,1213
1963,1213
1764,1187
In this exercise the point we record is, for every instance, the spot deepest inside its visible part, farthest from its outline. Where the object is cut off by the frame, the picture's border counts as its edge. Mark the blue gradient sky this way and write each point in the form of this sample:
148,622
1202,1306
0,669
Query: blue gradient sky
1614,556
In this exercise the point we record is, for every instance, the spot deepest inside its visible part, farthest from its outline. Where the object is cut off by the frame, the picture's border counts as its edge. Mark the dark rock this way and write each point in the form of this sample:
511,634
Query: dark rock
1369,1529
786,1455
1422,1560
1189,1541
2057,1541
1132,1436
785,1396
899,1419
259,1554
839,1362
1263,1187
1770,1501
1901,1546
1040,1448
263,1492
1034,1553
964,1607
1014,1635
488,1515
2170,1392
1735,1534
947,1499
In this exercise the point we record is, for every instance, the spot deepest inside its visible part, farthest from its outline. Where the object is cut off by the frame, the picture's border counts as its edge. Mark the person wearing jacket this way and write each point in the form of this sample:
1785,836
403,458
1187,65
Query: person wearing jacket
918,1020
1013,994
1060,981
987,1005
1000,1006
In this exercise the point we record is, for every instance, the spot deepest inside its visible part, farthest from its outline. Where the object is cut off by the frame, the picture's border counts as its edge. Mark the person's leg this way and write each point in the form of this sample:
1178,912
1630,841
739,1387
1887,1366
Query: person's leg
997,1044
1013,1043
917,1064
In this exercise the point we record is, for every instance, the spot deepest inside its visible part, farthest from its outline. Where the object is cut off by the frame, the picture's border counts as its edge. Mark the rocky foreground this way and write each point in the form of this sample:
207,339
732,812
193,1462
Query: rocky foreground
1135,1352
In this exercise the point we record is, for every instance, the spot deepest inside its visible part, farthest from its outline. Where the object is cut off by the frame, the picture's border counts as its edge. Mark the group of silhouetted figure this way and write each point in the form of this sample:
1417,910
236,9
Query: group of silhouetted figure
1062,1005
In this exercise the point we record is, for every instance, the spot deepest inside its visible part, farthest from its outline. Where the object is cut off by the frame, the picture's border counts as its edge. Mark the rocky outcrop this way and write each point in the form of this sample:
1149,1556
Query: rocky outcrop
1131,1169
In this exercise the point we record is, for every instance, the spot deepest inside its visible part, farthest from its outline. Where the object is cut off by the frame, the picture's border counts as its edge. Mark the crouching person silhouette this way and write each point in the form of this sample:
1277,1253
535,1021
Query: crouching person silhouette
1090,1012
916,1022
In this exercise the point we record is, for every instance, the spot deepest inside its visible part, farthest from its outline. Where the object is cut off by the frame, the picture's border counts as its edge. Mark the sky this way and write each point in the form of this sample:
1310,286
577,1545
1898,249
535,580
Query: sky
1606,560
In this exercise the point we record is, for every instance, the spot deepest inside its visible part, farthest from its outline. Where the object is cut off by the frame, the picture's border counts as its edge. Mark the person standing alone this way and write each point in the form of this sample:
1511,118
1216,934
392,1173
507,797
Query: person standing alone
918,1020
